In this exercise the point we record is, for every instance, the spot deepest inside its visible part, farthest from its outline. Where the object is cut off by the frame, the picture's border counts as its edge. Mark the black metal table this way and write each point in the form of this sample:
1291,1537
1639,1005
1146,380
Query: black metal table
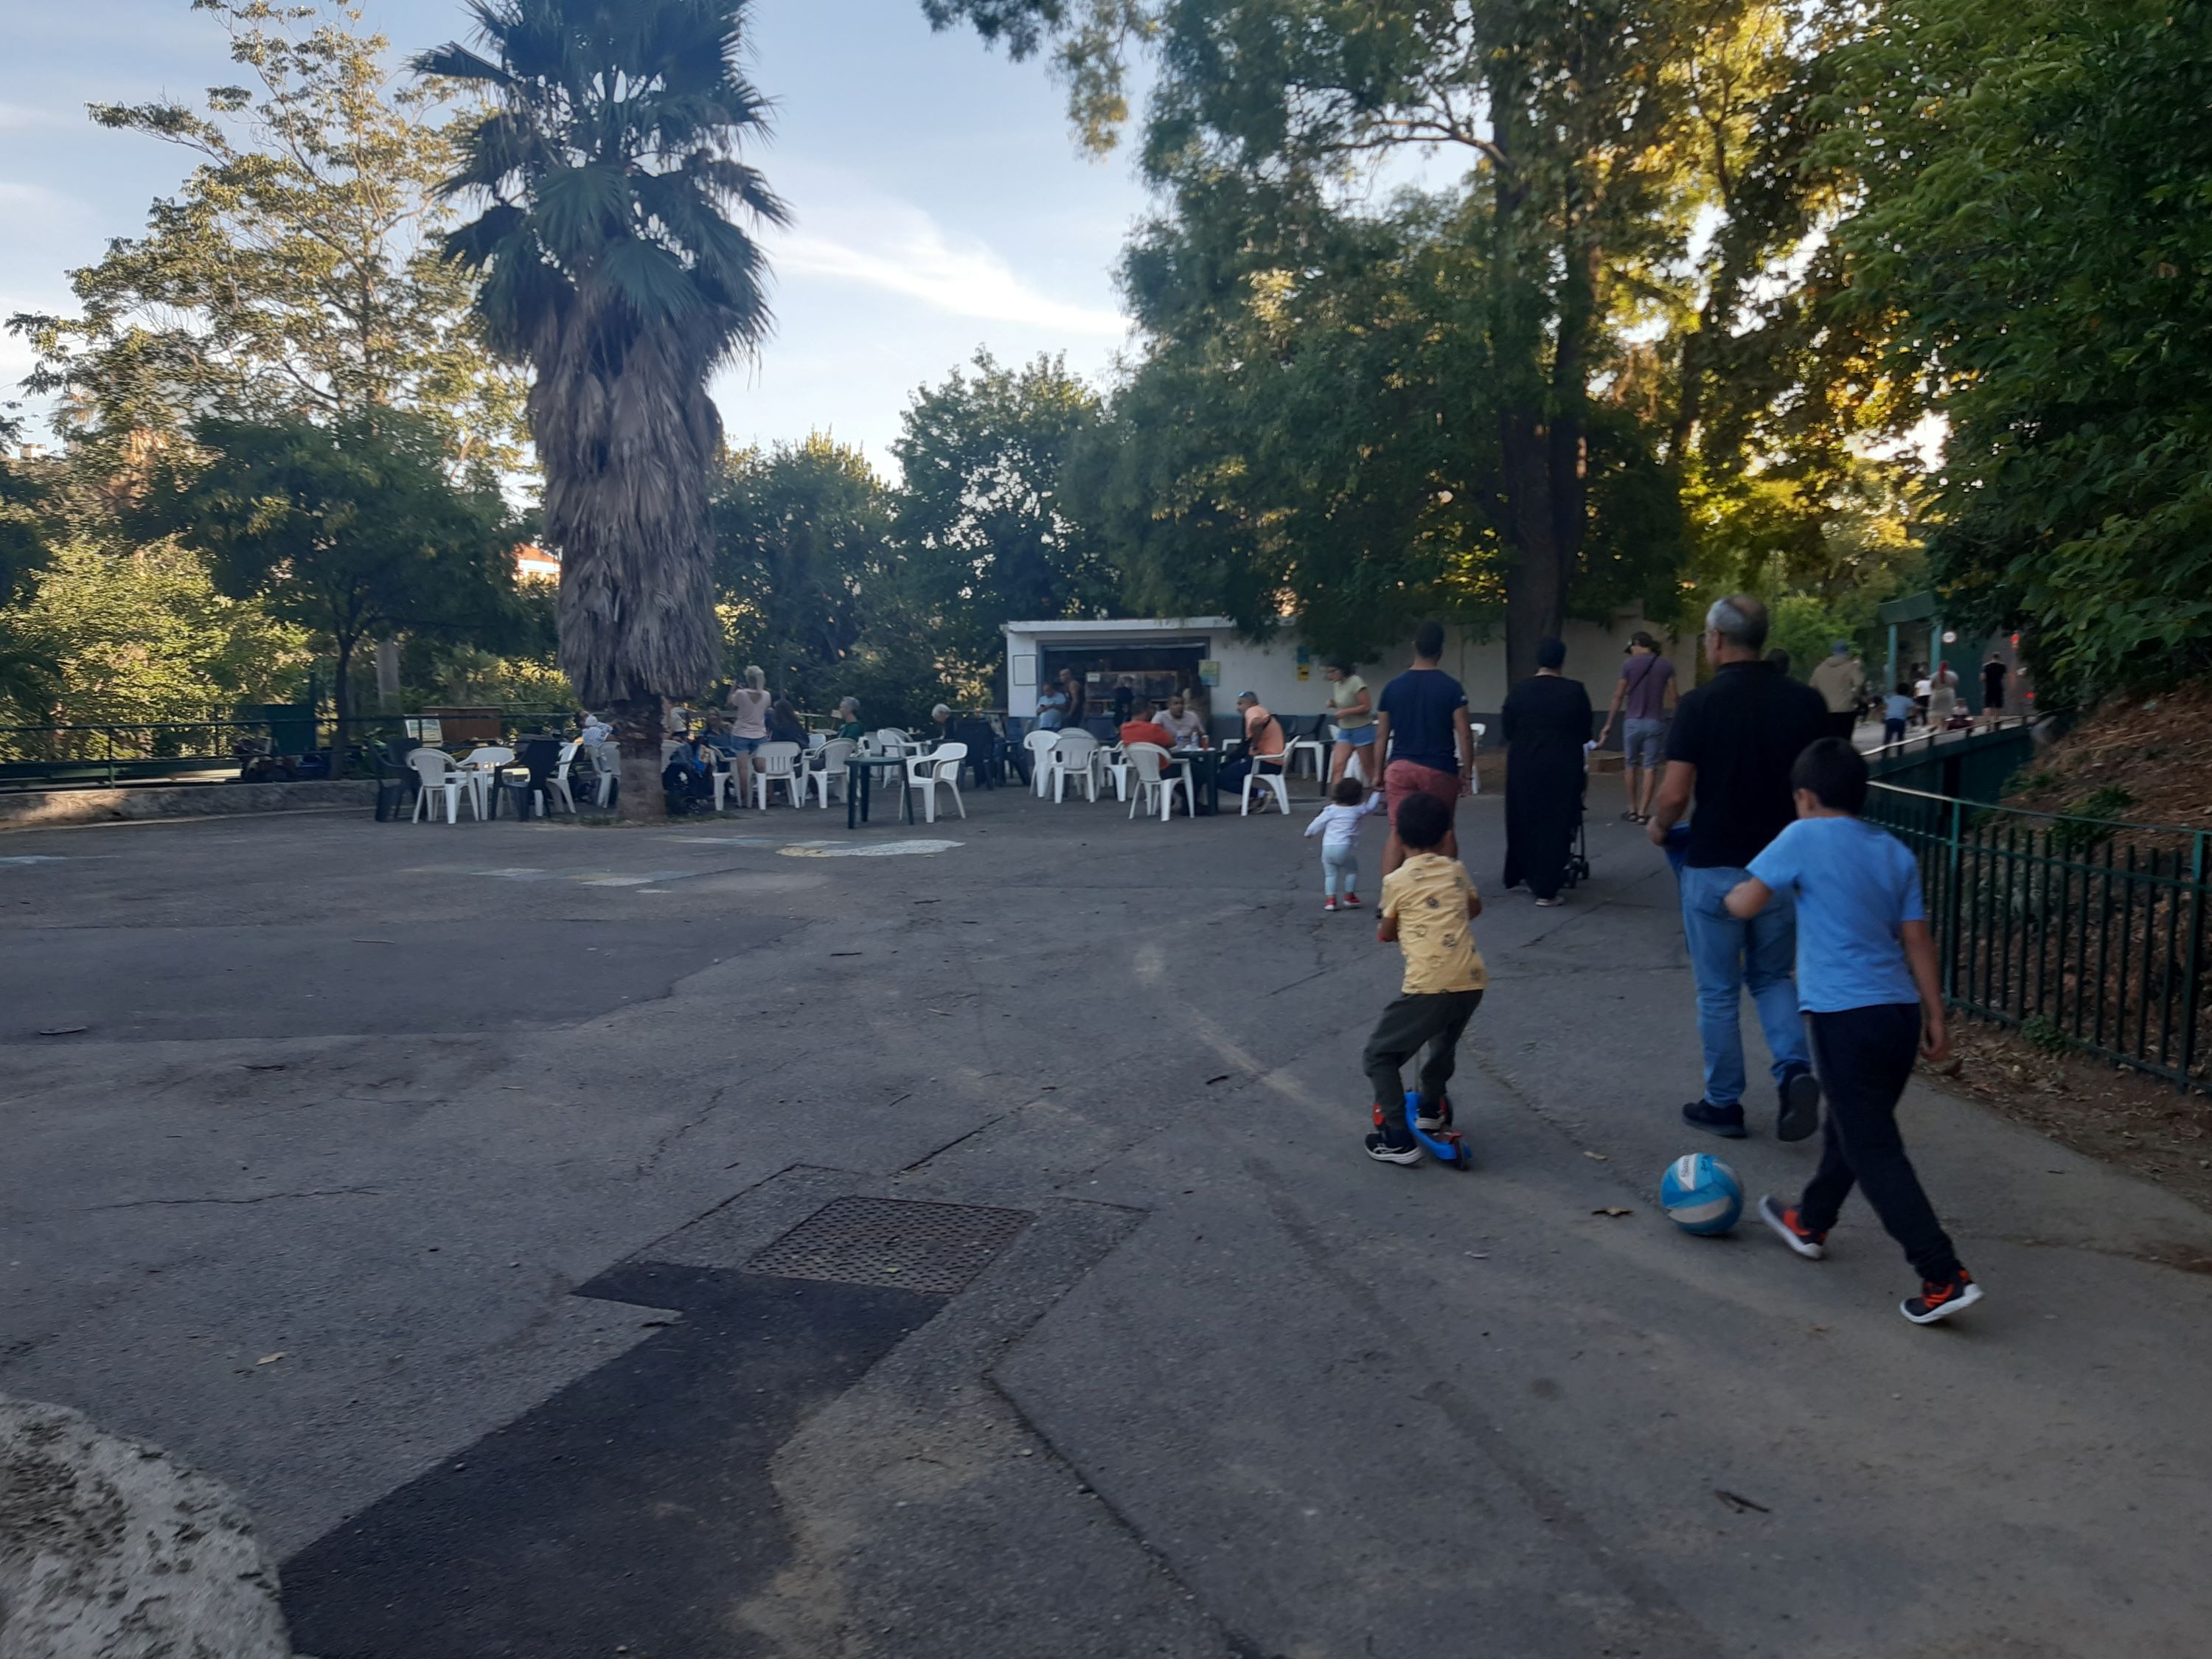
858,771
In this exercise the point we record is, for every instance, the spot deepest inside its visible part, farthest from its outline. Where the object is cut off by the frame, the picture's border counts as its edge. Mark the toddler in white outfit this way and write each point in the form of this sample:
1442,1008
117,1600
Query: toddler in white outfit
1338,825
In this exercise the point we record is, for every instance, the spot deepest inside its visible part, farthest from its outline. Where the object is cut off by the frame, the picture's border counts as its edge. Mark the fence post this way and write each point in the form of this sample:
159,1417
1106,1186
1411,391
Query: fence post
1952,865
2194,960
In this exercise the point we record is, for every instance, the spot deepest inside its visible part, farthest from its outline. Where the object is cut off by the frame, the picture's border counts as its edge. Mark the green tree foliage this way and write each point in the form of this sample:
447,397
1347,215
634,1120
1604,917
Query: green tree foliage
981,512
145,635
2037,222
297,271
351,530
614,265
1489,400
818,591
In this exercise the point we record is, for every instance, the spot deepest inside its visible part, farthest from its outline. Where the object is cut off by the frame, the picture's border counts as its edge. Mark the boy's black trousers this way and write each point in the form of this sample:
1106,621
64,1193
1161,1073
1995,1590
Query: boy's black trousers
1435,1018
1864,1058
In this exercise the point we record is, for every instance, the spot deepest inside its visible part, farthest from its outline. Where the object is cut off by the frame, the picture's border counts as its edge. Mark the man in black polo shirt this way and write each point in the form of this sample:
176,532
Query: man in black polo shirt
1734,742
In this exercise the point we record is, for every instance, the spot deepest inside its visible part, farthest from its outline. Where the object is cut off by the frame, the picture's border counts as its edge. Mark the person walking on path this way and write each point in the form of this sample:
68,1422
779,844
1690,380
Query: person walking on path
1425,739
1339,825
1735,739
1993,689
1867,981
1841,681
1645,691
1942,695
1545,725
1428,910
1352,708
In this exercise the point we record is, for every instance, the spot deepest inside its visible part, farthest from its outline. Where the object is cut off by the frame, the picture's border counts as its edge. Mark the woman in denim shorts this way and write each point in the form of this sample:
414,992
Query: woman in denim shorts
748,727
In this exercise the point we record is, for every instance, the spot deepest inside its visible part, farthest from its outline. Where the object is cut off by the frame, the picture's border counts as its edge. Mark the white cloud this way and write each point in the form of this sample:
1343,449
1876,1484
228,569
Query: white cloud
902,249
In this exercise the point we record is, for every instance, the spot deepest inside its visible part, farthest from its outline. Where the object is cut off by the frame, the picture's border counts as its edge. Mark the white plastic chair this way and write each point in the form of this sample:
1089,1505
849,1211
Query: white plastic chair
480,767
437,770
1075,754
1157,774
1114,760
830,773
940,767
1474,778
556,783
1040,746
1308,748
606,763
890,740
1277,784
773,764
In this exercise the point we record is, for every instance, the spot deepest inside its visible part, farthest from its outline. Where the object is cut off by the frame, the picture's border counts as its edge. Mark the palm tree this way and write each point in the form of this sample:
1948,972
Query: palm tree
614,265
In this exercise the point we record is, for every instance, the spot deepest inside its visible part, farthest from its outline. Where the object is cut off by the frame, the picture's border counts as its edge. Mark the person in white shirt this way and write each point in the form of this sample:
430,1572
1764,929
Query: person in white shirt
1184,722
1338,824
595,731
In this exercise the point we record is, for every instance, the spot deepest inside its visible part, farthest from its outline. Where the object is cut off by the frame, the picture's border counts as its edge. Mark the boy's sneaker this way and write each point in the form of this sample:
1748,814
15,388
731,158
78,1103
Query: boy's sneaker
1352,901
1800,1106
1328,904
1811,1245
1383,1152
1940,1298
1430,1119
1726,1122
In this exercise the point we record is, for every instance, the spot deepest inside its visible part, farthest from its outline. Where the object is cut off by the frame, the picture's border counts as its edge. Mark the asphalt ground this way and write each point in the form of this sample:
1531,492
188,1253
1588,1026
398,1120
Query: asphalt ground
415,1180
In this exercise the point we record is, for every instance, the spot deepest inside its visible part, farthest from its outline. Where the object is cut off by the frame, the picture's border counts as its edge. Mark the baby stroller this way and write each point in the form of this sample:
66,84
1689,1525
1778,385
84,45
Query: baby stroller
1578,864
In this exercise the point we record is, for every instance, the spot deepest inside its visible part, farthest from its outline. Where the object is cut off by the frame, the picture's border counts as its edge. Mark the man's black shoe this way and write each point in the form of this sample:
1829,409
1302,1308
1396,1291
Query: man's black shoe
1800,1107
1727,1121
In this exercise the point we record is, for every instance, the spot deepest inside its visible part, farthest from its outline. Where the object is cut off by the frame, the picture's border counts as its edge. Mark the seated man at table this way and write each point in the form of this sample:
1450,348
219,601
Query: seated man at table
689,777
1184,722
1265,745
1147,730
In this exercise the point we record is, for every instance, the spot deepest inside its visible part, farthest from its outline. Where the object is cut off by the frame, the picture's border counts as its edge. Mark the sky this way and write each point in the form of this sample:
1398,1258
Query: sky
940,204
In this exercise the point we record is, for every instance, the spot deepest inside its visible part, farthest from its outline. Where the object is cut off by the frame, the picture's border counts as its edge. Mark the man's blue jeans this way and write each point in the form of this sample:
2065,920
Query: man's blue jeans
1726,956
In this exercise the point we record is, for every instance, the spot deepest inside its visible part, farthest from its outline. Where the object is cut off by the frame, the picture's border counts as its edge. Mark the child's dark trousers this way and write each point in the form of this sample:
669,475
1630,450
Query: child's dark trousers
1435,1019
1864,1058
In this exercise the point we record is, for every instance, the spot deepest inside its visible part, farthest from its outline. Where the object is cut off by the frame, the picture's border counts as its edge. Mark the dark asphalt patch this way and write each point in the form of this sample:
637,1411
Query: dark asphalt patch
141,984
631,1510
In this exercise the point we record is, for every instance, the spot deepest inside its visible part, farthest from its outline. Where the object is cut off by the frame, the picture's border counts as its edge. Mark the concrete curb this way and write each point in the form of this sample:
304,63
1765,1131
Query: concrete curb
46,808
108,1550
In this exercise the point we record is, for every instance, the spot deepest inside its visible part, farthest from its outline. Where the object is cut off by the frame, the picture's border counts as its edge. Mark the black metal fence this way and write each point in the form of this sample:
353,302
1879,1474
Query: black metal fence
2085,932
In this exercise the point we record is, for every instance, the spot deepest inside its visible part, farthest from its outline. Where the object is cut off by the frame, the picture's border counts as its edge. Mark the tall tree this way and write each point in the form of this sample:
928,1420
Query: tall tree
614,267
298,271
2034,219
982,508
351,529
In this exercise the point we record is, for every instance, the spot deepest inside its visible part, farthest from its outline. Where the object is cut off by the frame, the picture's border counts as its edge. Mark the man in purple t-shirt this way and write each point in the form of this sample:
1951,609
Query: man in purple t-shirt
1647,689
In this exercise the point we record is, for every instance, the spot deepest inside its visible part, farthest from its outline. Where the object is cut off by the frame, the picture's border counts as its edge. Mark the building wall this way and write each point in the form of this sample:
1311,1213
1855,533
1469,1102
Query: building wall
1271,670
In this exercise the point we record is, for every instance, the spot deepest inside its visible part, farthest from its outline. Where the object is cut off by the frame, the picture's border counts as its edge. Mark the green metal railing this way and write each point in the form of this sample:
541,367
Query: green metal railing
2085,932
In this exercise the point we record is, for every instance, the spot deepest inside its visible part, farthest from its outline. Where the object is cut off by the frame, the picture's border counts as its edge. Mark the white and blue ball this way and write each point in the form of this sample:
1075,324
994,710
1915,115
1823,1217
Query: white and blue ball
1701,1195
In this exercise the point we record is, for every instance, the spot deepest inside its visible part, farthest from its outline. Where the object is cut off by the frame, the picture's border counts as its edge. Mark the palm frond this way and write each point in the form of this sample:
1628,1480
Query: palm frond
455,62
578,207
651,282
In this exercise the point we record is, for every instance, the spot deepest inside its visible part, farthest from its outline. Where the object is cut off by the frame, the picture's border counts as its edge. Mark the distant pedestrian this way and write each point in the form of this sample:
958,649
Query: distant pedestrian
1993,687
1839,680
1351,710
1642,699
1867,980
1896,713
1942,695
1428,911
1124,701
748,706
1351,804
1424,739
1546,725
1735,739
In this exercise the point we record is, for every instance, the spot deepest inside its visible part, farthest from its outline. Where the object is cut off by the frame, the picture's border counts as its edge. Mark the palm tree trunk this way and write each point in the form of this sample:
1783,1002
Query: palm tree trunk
628,438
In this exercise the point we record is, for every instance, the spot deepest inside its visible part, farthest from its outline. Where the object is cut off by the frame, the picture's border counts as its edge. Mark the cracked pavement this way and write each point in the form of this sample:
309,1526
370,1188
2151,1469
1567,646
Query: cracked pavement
382,1098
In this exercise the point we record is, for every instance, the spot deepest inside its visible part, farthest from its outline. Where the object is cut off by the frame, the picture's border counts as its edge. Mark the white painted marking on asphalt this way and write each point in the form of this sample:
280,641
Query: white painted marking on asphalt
33,857
880,849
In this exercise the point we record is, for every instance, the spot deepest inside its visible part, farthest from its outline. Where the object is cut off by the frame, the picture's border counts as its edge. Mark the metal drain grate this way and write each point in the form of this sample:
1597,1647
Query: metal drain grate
892,1241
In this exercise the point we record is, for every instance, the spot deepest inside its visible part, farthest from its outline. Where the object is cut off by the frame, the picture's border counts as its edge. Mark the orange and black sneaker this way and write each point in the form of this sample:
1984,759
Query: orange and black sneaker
1793,1232
1940,1298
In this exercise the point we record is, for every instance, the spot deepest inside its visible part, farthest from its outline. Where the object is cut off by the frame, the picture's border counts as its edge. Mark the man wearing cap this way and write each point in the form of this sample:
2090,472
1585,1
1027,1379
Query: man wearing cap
1265,745
1840,681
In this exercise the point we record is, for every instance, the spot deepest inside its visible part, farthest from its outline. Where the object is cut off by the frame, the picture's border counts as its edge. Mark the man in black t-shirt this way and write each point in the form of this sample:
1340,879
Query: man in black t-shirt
1733,741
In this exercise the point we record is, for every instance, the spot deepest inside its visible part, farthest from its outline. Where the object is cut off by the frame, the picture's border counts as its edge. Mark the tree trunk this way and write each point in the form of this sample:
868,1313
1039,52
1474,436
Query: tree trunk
340,704
639,724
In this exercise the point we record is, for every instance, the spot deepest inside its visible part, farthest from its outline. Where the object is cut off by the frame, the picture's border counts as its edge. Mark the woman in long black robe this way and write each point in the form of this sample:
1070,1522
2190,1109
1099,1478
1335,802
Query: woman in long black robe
1544,725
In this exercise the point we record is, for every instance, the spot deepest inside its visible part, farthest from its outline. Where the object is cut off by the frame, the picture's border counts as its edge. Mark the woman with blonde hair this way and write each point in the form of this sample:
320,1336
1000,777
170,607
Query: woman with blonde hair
748,706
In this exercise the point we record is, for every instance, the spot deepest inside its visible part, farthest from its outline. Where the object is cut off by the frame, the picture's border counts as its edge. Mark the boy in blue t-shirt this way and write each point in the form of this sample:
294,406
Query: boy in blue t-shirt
1867,983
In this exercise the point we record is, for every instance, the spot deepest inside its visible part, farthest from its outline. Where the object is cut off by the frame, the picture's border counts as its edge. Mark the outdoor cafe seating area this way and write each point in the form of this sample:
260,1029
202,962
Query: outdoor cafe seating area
544,774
